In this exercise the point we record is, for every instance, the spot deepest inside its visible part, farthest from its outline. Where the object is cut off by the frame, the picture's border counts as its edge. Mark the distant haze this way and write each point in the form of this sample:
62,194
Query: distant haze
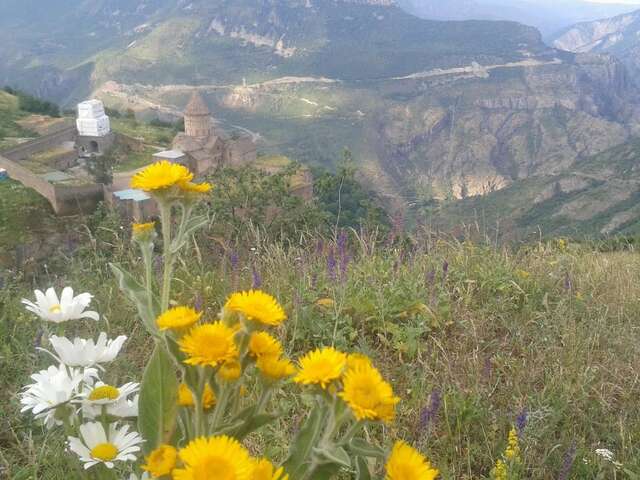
548,16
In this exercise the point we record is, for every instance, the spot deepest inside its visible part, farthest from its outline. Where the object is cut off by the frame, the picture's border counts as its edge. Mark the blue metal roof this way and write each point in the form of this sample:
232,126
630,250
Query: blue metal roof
131,194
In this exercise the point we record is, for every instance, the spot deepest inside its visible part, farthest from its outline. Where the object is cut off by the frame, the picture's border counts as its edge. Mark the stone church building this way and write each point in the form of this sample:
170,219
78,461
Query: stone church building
207,147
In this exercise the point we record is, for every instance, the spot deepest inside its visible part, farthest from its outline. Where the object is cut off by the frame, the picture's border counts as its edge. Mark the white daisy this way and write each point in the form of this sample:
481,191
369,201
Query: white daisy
86,353
144,476
53,387
97,446
123,408
103,394
53,309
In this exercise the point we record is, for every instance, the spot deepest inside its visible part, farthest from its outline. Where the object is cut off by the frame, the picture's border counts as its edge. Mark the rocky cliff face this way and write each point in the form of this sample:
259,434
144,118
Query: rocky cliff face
618,35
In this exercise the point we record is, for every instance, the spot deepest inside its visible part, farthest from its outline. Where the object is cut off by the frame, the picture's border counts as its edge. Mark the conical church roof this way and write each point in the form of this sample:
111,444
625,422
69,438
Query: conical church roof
196,105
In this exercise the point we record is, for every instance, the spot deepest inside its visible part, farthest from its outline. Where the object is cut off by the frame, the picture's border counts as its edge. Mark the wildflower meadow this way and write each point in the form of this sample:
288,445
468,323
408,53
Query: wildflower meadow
348,355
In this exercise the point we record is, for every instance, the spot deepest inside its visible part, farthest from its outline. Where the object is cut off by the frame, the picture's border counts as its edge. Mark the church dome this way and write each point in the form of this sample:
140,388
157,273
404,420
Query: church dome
196,106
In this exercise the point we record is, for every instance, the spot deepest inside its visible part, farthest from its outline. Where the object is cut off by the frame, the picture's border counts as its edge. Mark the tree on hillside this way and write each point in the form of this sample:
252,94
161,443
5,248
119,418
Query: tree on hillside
345,200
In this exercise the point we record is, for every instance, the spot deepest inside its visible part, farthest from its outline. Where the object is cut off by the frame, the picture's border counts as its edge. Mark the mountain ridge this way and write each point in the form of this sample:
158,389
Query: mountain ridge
430,109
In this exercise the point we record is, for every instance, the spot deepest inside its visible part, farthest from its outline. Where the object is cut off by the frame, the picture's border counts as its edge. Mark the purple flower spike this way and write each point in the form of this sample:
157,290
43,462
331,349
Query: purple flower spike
521,421
430,413
234,260
567,463
197,303
331,265
257,280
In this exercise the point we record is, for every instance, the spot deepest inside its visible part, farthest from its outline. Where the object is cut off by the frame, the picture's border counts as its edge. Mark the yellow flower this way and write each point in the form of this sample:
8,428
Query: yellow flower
191,187
142,228
264,470
161,175
406,463
258,306
178,318
185,396
161,461
230,371
321,367
354,360
325,302
275,368
500,471
220,458
212,344
262,344
368,395
512,451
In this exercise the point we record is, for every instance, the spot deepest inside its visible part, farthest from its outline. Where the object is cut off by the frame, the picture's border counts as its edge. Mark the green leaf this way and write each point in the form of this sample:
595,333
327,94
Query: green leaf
193,224
362,469
326,472
336,455
158,400
362,448
252,424
139,296
305,440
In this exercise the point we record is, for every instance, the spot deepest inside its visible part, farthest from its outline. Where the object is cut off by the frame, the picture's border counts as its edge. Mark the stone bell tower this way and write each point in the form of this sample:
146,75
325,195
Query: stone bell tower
197,118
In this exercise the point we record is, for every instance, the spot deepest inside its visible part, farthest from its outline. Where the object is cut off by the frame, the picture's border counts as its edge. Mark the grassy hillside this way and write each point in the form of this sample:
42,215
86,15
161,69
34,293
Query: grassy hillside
10,112
474,338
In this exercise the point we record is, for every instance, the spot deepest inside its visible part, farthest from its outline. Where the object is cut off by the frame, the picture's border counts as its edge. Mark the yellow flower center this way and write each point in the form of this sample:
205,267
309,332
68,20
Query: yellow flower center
214,467
105,392
55,308
104,451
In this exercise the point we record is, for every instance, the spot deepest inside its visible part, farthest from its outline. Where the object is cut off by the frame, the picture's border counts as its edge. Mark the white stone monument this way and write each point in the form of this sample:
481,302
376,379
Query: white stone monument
92,121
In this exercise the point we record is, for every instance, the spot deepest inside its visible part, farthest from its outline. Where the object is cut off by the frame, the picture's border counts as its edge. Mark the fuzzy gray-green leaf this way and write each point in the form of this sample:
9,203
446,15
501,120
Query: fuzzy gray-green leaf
158,400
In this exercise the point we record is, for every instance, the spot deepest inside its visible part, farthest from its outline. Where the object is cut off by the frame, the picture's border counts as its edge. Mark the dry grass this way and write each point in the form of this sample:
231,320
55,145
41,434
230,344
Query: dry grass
548,329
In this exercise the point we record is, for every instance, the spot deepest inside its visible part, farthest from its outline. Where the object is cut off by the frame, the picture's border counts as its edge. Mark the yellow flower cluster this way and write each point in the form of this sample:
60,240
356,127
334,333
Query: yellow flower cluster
406,463
500,471
178,318
217,344
256,306
364,389
219,457
185,397
512,452
163,175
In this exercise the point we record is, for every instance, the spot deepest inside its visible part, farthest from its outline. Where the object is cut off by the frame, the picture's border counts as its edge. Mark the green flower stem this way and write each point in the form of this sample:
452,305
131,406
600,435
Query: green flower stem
265,396
199,407
184,219
165,219
350,433
221,406
147,254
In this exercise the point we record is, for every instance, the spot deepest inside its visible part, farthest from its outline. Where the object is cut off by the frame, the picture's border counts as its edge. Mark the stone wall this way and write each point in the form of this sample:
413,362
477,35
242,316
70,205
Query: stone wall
37,145
29,179
74,199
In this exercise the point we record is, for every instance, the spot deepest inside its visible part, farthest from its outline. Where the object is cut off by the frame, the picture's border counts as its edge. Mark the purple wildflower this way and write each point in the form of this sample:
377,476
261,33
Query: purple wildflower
567,463
430,413
257,280
343,254
234,260
197,302
521,421
445,270
568,285
331,265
